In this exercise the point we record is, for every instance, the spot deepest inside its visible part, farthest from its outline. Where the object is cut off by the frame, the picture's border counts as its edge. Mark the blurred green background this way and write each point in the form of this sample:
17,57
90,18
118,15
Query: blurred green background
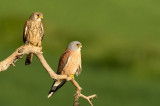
120,55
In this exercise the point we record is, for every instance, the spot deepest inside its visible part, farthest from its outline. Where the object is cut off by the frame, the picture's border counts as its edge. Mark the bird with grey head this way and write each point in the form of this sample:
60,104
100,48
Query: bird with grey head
69,64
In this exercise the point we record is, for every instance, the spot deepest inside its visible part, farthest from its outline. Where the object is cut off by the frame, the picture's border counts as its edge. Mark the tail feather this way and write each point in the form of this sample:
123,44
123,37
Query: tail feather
55,87
29,59
50,94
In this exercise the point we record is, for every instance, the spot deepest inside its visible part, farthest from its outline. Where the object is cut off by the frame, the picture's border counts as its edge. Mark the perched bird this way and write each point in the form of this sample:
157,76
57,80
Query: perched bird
69,64
33,33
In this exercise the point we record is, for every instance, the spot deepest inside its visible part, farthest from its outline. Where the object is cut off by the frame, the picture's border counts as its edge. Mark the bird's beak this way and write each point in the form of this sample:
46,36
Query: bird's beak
79,45
41,17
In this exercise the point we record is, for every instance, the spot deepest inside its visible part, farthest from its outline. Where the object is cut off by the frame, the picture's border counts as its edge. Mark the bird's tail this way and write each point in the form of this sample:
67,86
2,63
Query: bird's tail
56,85
29,59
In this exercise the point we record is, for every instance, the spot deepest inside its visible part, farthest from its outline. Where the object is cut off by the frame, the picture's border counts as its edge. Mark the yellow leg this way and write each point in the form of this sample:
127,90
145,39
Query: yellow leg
72,76
31,44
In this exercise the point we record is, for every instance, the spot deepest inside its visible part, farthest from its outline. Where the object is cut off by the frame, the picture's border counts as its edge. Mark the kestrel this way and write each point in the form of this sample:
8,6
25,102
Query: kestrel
33,33
69,64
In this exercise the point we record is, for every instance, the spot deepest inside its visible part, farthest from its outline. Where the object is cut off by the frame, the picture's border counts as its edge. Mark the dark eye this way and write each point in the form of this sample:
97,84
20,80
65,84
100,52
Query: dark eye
77,44
38,15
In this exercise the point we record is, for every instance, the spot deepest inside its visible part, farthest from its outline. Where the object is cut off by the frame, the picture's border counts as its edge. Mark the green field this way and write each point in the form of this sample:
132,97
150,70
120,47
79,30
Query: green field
120,54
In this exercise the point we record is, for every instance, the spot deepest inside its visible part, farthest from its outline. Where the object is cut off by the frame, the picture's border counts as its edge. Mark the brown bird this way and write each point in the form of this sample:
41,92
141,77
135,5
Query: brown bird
33,33
69,64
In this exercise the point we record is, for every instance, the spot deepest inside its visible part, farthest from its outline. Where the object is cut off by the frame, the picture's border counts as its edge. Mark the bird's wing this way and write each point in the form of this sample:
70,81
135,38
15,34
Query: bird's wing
25,31
63,61
79,69
42,30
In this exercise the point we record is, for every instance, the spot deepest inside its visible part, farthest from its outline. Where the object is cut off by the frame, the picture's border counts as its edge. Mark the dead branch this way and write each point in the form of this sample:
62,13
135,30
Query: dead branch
4,65
26,49
78,94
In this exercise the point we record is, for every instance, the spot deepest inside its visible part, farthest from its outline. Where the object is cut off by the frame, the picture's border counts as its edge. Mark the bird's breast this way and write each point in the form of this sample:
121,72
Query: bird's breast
35,32
73,64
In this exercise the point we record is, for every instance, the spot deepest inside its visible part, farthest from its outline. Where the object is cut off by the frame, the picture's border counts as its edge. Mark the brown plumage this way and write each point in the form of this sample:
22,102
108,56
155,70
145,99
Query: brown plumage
33,33
69,64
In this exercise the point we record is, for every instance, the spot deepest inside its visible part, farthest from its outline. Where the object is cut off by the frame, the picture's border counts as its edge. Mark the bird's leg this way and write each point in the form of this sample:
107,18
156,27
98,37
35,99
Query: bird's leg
39,44
31,44
72,76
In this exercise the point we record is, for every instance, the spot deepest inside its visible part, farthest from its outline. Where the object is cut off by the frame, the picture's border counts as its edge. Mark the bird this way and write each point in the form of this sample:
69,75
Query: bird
69,64
33,33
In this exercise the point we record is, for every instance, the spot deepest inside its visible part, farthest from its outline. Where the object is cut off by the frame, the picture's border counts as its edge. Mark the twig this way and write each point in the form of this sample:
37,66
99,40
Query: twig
78,94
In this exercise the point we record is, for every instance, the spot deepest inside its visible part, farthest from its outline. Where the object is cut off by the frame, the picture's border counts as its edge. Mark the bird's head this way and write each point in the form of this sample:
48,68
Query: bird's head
38,16
75,45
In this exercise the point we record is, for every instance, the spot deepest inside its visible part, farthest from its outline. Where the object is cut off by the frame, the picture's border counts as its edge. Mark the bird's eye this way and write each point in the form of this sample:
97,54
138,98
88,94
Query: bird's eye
77,44
38,15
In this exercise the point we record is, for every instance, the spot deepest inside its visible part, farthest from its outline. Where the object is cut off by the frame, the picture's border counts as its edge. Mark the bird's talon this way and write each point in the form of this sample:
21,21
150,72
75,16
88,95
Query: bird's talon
72,76
31,45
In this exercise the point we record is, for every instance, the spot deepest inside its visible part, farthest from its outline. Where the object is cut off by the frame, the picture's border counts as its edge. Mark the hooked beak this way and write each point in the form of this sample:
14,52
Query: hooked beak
41,17
79,45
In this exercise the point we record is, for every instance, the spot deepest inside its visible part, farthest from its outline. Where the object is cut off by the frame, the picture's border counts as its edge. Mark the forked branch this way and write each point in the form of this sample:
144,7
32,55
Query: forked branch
78,94
26,49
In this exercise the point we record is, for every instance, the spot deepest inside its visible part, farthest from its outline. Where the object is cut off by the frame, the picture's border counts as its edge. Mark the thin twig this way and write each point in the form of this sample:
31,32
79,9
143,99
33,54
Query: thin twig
78,94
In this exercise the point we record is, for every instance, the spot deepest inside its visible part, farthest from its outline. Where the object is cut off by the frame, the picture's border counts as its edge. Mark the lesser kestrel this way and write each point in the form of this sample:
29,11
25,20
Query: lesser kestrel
33,33
69,64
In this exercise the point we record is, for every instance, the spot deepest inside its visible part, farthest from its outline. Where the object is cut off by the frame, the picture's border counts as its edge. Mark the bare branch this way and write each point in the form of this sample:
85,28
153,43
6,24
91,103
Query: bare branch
89,98
49,69
17,55
78,94
26,49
